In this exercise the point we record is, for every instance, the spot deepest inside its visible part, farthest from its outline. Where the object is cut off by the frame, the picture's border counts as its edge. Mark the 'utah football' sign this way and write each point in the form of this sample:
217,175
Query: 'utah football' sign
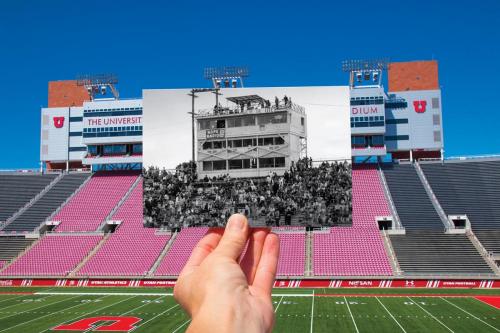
119,324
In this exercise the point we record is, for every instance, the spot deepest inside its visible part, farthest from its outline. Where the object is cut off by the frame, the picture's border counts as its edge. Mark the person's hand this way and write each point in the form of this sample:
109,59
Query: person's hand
221,294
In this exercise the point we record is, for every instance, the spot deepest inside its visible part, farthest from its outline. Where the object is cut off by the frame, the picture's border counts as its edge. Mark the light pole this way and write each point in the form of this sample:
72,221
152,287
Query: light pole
192,113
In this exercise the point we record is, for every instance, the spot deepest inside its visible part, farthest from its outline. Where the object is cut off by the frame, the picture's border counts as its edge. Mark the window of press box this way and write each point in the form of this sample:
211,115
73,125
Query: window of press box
137,148
358,141
377,140
214,165
273,162
114,149
92,150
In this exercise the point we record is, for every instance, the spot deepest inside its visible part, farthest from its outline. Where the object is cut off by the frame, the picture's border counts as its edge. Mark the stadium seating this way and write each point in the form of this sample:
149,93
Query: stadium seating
350,252
11,246
16,190
414,207
132,249
94,201
179,252
429,252
47,203
471,188
292,259
359,250
368,197
53,255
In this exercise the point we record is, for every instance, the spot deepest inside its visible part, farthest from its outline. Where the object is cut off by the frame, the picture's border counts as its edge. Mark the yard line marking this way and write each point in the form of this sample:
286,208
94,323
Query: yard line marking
276,310
312,312
178,328
87,313
39,307
430,314
390,314
352,317
20,303
104,293
50,314
13,298
150,319
470,314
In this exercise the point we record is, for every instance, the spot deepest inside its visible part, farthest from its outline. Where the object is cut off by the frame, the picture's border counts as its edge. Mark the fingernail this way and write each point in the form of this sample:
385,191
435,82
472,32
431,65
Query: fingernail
236,223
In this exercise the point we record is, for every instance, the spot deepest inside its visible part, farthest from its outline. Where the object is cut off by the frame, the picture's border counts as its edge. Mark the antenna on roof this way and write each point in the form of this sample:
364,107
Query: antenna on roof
98,84
226,77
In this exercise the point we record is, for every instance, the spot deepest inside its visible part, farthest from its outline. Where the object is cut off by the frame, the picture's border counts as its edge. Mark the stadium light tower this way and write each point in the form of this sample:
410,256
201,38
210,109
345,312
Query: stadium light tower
98,84
194,95
226,77
362,72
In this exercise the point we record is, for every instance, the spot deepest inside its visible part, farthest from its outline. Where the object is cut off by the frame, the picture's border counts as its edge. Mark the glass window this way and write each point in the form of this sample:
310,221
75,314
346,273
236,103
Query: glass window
249,121
279,162
377,140
247,142
268,141
266,162
279,141
107,149
219,165
207,165
92,150
235,164
137,148
219,144
207,145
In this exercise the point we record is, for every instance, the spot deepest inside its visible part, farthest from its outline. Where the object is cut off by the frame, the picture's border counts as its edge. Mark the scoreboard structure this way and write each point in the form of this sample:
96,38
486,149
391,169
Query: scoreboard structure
406,121
250,138
81,132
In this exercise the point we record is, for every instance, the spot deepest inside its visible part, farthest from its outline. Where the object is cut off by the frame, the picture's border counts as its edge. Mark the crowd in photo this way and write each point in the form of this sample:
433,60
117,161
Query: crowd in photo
304,195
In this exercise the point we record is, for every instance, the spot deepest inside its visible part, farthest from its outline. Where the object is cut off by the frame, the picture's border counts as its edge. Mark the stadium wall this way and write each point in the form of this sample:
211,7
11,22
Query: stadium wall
306,283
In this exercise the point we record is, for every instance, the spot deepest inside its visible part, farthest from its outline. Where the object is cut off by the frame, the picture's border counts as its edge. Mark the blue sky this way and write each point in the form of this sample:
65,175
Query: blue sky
153,45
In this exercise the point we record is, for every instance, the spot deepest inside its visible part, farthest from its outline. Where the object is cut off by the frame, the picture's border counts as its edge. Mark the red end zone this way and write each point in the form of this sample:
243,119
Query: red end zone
494,301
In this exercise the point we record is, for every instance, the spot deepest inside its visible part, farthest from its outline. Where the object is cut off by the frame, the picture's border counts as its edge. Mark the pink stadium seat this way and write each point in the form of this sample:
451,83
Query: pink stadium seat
292,257
90,206
180,251
54,255
132,249
358,250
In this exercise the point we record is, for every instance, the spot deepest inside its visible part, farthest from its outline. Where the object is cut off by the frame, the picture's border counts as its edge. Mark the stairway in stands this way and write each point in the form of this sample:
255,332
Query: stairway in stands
12,246
473,189
426,248
41,209
414,207
429,252
16,190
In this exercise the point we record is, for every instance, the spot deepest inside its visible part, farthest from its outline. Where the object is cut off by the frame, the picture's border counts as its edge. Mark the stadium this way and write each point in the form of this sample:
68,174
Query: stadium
87,242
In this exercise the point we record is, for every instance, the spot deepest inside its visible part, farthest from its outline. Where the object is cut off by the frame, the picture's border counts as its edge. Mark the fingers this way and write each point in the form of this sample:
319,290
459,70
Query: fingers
204,247
235,237
268,264
250,261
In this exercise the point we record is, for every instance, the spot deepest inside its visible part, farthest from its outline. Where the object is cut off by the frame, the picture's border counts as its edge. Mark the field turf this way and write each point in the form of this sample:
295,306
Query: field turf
30,310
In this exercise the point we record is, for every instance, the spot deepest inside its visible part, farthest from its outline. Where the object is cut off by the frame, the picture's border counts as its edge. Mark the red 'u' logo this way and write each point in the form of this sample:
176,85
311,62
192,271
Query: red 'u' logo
58,122
419,106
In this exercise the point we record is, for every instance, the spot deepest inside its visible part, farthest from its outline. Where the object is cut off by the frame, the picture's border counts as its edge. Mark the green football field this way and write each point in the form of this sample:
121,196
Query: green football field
30,310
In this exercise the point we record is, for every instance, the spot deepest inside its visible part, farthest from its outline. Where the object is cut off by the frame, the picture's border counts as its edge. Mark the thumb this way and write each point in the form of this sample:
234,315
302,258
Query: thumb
235,237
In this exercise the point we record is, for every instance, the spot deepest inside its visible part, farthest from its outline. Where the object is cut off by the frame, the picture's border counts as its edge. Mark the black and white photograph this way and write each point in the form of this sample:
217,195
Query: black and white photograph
281,156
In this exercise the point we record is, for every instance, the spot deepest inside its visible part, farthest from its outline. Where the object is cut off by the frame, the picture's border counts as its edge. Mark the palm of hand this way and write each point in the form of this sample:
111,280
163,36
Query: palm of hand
220,292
